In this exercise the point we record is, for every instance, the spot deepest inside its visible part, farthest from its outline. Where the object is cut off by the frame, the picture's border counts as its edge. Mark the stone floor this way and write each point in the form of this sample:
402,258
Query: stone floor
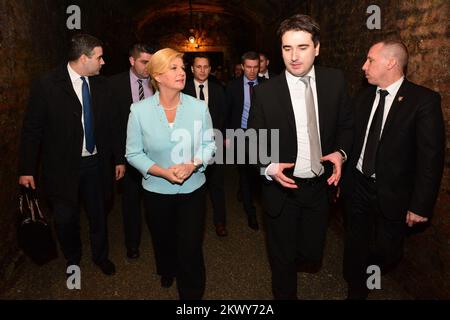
236,266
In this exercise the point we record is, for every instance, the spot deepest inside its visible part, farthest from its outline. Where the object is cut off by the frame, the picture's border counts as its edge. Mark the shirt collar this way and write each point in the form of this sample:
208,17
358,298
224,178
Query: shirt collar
291,79
265,74
74,76
135,78
246,81
205,83
393,88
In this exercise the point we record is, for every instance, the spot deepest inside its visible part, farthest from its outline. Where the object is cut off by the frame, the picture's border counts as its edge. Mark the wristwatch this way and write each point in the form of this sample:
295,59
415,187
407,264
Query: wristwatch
197,164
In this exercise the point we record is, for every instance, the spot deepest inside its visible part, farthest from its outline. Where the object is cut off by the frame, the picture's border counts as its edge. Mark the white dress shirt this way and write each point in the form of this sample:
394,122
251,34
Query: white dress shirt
205,89
392,92
264,75
296,87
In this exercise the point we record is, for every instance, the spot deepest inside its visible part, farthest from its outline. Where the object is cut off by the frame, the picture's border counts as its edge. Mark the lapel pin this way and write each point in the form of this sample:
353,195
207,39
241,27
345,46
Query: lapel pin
400,99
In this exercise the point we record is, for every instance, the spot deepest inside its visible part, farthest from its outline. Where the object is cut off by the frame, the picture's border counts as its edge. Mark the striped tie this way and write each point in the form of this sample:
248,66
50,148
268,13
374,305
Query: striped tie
141,90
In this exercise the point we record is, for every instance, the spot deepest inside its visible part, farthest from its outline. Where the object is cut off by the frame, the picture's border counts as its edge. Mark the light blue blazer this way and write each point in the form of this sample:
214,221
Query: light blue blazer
151,140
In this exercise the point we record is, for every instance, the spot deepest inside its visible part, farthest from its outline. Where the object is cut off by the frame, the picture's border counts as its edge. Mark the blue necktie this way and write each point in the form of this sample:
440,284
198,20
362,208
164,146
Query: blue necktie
88,117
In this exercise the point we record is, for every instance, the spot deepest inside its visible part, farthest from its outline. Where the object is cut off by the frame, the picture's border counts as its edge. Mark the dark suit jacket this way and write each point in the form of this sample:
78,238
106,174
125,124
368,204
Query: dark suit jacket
216,102
52,126
410,155
122,99
272,109
235,101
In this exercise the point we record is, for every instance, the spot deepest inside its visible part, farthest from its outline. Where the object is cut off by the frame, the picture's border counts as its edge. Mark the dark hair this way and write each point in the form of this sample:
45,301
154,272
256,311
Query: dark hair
250,55
301,22
264,54
138,48
82,44
201,55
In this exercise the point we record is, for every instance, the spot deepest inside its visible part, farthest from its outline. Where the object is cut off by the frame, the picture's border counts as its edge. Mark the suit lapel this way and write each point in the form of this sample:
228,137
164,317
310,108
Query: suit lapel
127,82
190,89
284,97
396,105
321,99
63,80
365,109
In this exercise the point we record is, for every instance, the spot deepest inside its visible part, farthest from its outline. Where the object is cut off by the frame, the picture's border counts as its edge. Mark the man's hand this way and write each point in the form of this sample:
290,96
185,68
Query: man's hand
276,173
27,181
120,171
336,159
412,219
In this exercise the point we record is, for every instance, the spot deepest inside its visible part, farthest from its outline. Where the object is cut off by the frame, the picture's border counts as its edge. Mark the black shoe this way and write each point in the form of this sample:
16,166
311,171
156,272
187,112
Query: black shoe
133,253
166,281
107,267
253,222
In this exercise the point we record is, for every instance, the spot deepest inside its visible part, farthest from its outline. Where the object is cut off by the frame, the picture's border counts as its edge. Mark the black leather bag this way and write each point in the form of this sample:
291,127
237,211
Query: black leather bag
34,234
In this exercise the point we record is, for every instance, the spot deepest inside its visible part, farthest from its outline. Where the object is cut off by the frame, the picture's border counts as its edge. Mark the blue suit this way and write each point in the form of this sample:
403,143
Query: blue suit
150,140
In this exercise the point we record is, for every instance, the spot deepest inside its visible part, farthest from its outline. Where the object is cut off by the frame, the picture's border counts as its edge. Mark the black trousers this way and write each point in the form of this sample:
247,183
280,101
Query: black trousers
215,182
370,238
67,217
248,175
131,207
297,235
176,223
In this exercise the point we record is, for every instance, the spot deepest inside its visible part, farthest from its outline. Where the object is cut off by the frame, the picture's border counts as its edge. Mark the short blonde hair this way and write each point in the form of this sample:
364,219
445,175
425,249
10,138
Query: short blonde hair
160,63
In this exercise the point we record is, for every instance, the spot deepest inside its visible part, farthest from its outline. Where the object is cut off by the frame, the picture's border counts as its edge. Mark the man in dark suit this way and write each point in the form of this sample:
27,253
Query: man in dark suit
395,168
127,87
211,92
239,95
308,106
70,120
264,66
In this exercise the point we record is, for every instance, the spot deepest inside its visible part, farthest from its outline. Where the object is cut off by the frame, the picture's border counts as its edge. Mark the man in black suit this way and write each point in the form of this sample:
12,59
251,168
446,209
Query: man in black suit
308,105
127,87
395,167
239,96
213,94
70,120
264,66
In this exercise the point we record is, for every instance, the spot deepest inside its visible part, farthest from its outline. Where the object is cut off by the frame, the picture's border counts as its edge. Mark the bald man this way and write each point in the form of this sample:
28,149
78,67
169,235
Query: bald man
395,167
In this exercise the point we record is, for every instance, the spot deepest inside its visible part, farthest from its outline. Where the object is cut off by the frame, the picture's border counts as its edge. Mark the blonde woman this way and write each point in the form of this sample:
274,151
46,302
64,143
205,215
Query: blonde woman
170,141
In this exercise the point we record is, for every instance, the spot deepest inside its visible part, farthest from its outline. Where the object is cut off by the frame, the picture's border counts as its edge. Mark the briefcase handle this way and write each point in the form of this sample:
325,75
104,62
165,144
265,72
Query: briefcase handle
31,198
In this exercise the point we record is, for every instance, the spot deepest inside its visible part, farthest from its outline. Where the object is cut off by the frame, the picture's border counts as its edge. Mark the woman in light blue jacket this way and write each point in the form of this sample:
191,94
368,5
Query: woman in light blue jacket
170,141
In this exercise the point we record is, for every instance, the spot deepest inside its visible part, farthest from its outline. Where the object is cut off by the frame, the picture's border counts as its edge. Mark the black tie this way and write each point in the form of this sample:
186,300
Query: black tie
373,137
202,95
250,87
141,90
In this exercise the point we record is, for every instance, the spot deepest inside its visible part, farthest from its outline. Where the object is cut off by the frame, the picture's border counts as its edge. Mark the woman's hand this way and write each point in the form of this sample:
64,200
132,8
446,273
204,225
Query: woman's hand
170,175
183,170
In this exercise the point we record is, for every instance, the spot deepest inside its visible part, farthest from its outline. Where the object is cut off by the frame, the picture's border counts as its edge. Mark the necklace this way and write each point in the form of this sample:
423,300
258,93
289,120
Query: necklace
169,109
